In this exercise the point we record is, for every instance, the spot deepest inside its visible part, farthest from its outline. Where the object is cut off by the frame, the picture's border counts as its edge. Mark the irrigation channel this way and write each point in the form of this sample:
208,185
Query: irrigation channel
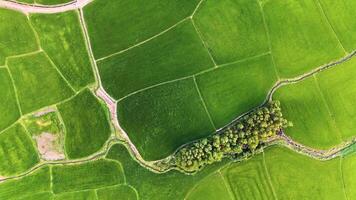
122,137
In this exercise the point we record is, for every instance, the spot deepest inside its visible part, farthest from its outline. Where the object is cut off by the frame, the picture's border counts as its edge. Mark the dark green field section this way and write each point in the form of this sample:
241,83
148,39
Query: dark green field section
296,176
152,186
96,174
232,29
175,54
52,2
160,119
211,188
28,187
87,125
117,25
341,15
322,107
8,106
81,195
17,152
62,38
18,37
236,88
37,81
349,170
117,192
301,36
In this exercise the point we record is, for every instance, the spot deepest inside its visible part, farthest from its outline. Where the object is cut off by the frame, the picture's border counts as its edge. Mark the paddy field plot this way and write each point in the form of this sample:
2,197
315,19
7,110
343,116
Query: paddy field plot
81,195
341,16
164,122
8,104
87,125
37,82
175,54
16,35
62,38
304,41
236,88
232,29
34,183
91,175
349,170
17,151
292,173
38,196
117,192
111,21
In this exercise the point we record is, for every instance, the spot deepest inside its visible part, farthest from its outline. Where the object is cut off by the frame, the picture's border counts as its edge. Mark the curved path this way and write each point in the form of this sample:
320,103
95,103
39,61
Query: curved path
34,8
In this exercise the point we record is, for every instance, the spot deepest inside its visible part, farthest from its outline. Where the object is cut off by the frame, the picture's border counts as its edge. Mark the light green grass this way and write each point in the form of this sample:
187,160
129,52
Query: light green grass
8,104
95,174
232,29
17,153
175,54
210,188
295,176
338,86
34,183
301,38
37,82
236,88
82,195
62,38
123,192
161,119
16,36
341,15
303,104
87,126
153,186
249,179
349,170
117,25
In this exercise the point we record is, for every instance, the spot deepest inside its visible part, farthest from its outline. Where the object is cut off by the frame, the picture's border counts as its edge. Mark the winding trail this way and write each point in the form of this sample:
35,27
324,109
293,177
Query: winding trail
35,8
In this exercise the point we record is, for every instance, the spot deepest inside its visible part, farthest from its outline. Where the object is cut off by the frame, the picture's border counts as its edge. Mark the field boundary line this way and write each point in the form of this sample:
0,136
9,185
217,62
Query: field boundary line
10,126
144,41
269,176
268,37
203,103
331,114
23,55
28,134
245,59
227,186
203,42
60,118
15,90
50,179
89,49
321,10
196,8
38,40
342,178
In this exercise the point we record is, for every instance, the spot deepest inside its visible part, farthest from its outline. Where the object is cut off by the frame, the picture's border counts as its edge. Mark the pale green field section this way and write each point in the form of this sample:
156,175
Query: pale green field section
175,54
91,175
117,25
117,192
18,37
232,29
322,107
8,106
17,152
37,82
161,119
34,184
296,176
301,37
349,170
87,125
236,88
62,38
249,179
211,188
341,15
81,195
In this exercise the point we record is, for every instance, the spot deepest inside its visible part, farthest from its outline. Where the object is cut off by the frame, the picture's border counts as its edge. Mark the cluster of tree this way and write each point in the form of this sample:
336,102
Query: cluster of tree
240,139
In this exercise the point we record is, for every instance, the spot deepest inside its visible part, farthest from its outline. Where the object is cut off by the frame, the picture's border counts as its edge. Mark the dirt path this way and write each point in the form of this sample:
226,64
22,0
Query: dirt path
31,8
